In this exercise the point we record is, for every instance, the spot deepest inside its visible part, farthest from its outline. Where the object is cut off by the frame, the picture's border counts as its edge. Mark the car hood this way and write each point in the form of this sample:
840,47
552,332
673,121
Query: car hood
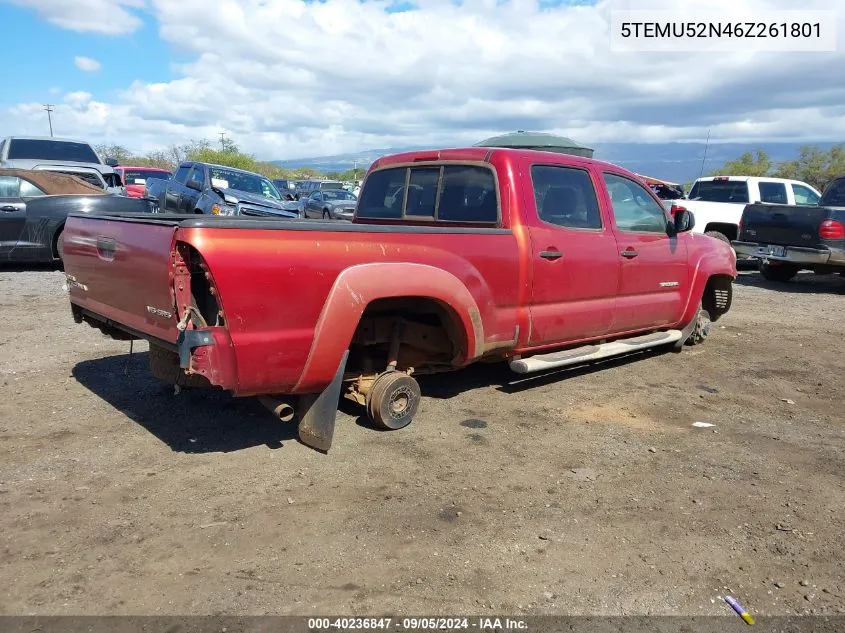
341,204
251,198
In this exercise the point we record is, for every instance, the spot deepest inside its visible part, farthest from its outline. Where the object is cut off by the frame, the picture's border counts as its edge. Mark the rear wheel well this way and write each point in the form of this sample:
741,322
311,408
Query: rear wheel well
717,297
728,230
430,333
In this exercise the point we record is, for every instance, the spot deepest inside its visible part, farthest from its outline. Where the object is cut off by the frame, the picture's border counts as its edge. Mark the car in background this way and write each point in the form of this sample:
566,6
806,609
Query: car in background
307,187
135,178
787,239
285,188
718,201
34,205
67,156
333,204
219,190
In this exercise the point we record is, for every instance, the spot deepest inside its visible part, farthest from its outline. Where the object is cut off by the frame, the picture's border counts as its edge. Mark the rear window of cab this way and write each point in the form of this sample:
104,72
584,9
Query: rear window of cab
441,193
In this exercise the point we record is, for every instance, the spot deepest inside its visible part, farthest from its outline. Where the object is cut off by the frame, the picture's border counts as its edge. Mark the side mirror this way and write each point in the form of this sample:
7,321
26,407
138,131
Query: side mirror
112,162
194,184
684,220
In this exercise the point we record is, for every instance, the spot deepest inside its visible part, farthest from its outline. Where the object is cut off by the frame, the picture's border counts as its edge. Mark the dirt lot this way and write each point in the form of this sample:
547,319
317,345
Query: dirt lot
581,492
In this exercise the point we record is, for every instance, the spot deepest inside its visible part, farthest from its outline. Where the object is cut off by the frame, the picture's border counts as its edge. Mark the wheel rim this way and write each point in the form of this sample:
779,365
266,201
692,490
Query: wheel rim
703,324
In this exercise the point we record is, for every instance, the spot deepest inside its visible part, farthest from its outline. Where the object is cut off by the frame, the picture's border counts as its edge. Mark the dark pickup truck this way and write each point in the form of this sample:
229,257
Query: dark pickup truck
218,190
789,238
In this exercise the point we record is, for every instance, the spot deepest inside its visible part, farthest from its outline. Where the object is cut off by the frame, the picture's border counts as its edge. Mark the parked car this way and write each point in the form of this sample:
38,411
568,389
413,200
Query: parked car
787,239
218,190
718,201
306,187
538,259
135,178
66,156
333,204
35,204
285,188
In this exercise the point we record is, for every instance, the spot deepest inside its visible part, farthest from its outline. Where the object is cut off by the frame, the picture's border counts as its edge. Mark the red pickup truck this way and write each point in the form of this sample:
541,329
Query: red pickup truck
453,256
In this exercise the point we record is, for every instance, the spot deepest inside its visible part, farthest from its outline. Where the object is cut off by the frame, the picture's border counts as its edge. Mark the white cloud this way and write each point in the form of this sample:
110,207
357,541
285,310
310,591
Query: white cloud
285,78
87,64
110,17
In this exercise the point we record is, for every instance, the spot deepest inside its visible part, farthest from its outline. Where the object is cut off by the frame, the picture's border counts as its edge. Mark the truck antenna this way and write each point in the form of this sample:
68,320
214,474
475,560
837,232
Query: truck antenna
704,158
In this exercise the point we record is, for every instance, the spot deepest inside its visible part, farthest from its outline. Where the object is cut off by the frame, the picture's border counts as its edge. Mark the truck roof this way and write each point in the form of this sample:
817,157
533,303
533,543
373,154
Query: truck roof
486,154
46,138
749,178
186,163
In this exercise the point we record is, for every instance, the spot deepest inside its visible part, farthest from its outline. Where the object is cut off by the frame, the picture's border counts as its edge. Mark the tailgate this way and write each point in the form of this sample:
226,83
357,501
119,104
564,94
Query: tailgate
782,224
120,268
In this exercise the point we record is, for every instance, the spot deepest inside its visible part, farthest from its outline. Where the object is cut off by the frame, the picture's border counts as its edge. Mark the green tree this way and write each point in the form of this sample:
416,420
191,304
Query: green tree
117,152
814,166
747,165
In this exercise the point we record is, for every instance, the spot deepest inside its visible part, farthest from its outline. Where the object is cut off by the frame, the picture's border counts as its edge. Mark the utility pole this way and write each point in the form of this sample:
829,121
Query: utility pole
222,138
49,108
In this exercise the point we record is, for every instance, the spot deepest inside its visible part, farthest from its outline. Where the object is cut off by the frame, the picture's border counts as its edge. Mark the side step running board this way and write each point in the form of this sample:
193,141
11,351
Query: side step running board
593,352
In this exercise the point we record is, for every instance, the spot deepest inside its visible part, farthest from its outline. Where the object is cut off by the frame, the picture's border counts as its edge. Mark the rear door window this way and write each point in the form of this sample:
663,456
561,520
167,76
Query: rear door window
804,195
447,193
772,192
565,196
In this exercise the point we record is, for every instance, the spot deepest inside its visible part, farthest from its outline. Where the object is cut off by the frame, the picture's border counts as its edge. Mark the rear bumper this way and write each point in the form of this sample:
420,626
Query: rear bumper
792,254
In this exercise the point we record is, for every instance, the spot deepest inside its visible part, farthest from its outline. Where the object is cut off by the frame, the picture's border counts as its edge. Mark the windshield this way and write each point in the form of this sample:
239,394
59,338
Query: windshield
338,194
52,150
241,181
141,176
720,191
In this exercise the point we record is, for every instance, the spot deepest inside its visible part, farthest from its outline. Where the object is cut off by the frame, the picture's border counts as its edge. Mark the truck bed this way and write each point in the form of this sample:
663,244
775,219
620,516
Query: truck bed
788,225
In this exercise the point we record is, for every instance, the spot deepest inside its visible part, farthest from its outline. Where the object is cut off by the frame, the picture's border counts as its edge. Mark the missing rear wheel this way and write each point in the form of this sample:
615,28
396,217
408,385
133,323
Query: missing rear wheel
393,400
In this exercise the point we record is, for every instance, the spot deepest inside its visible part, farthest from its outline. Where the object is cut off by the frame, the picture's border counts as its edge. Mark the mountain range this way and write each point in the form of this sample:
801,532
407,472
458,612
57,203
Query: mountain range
676,162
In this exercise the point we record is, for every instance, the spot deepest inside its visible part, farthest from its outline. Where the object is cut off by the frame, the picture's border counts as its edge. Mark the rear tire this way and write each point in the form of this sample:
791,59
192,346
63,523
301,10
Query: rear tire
60,245
393,400
778,272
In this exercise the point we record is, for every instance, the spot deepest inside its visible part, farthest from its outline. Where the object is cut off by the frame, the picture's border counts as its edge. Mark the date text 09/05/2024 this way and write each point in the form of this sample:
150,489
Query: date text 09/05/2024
416,624
718,29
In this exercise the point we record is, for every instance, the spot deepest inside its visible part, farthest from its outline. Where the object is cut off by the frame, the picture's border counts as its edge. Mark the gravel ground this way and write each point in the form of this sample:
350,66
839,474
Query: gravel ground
583,492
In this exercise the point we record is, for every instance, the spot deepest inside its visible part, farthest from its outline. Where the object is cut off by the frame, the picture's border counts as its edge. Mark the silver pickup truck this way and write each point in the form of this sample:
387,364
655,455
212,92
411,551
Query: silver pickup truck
62,155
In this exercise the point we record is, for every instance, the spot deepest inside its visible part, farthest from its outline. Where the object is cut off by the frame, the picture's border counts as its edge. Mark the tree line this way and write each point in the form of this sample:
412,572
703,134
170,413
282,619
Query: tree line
814,166
205,151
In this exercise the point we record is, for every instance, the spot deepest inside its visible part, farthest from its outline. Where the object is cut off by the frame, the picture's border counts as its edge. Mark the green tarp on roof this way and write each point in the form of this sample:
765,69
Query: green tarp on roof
539,141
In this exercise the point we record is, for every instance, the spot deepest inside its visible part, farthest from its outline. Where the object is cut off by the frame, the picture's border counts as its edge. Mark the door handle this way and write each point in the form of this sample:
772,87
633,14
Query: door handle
551,254
8,207
629,253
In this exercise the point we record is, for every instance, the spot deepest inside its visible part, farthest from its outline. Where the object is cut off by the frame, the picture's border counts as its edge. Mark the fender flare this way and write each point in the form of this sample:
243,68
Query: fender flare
705,268
356,287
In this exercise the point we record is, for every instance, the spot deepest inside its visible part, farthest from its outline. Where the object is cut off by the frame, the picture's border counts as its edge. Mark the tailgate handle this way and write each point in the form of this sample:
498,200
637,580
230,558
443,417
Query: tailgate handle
106,247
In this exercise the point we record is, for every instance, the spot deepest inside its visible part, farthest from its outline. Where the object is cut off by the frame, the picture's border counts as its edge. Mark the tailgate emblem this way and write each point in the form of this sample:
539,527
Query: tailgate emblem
159,312
668,284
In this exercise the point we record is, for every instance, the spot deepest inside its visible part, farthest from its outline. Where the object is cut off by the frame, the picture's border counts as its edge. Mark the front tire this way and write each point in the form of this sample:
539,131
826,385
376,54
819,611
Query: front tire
393,400
701,330
326,215
778,272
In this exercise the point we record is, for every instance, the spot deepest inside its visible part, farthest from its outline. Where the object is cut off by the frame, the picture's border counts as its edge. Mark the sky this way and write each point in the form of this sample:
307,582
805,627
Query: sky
289,79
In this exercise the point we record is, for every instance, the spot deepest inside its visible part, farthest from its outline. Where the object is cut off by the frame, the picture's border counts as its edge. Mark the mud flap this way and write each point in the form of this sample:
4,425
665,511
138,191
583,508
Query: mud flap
318,412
